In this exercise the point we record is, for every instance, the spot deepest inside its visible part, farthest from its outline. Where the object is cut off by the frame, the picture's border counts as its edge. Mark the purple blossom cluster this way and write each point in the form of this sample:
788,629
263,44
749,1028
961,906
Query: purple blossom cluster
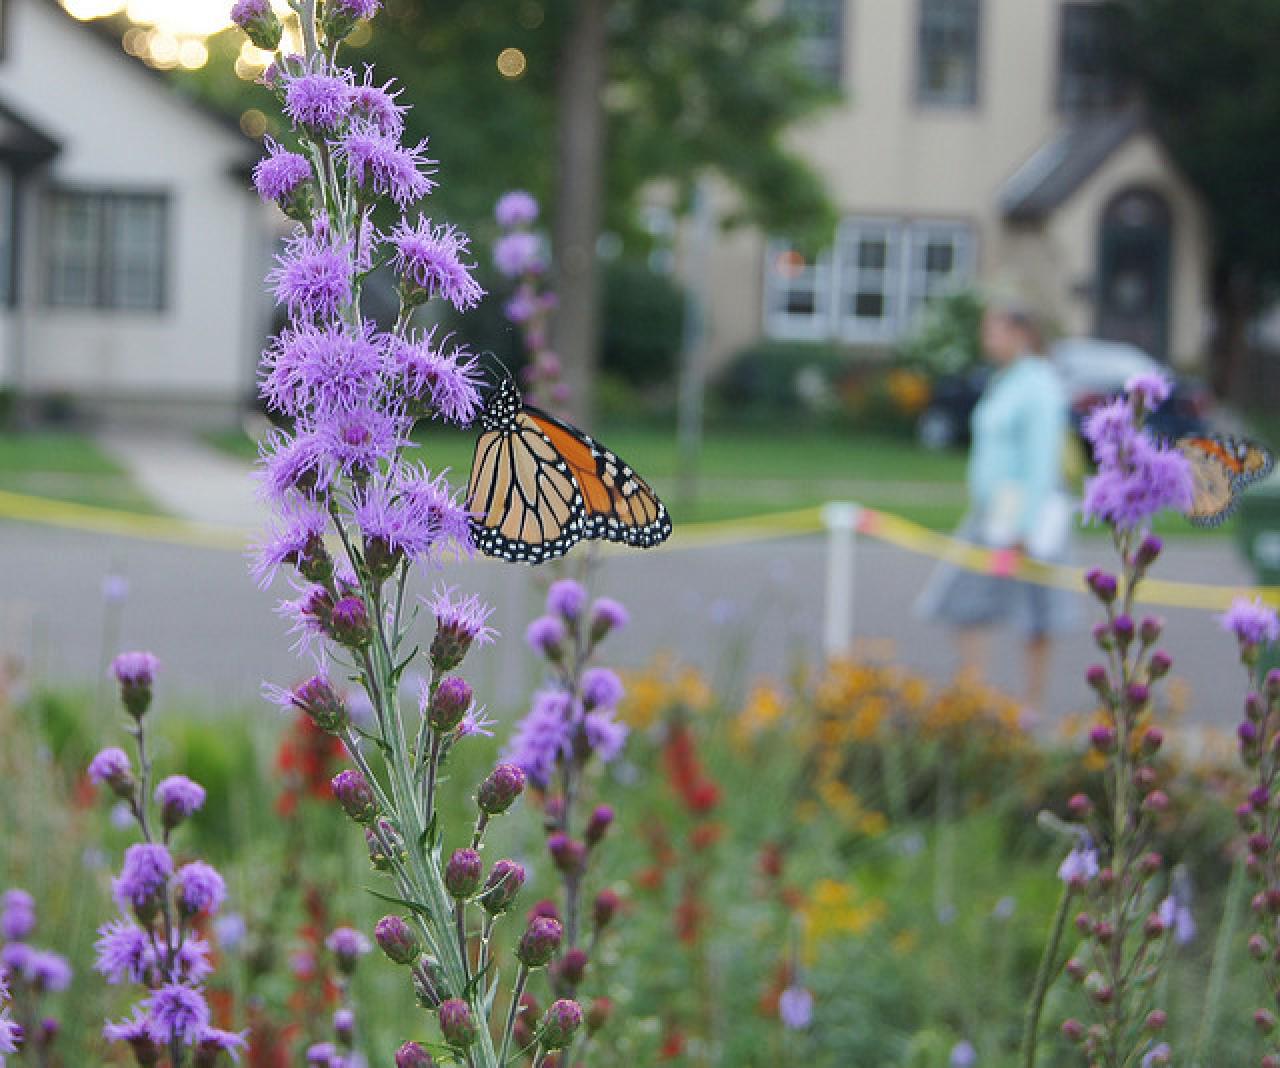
348,946
1137,476
28,975
519,256
154,942
1255,626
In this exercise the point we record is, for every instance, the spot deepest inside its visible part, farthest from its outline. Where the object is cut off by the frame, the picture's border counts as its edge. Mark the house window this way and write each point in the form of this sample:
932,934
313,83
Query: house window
870,289
797,294
947,70
7,245
820,26
1088,74
940,261
869,253
106,250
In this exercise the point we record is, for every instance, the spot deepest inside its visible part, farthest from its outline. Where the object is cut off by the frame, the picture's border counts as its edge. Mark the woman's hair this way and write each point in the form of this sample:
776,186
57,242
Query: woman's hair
1022,313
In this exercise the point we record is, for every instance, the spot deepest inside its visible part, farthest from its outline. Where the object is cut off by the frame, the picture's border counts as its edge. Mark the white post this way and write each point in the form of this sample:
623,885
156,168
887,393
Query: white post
841,520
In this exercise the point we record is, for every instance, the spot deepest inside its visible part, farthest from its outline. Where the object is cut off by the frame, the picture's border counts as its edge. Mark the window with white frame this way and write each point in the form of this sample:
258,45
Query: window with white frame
821,37
797,294
106,250
1089,75
870,288
949,50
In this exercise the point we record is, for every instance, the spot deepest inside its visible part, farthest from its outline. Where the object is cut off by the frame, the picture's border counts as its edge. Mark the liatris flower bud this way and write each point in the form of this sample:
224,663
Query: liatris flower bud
606,907
1254,708
313,560
1264,1021
1156,1020
572,966
1102,738
1156,802
136,673
525,1017
347,946
1144,778
606,615
1258,947
545,907
1097,679
1072,1030
1137,695
259,23
1152,740
462,873
396,940
429,982
412,1055
111,766
1150,629
500,789
1102,584
456,1023
340,17
1150,863
546,635
317,699
1146,553
539,942
1122,627
349,623
344,1026
1102,636
17,917
1154,926
1159,664
566,598
1075,968
598,825
1103,932
560,1024
199,889
449,703
1079,806
1259,844
506,878
459,625
143,877
568,853
598,1015
1260,798
1245,817
1249,743
179,798
378,855
355,795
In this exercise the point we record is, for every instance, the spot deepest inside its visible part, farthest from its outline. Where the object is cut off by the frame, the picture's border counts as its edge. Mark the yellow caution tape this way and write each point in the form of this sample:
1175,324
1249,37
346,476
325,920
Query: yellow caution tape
872,523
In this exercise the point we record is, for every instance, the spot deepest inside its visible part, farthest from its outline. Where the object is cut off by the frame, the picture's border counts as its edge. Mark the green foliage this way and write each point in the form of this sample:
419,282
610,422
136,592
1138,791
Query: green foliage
947,336
782,378
643,323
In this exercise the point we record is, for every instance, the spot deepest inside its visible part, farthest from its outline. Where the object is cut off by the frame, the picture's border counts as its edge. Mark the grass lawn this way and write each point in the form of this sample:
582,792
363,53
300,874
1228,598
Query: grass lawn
754,471
67,467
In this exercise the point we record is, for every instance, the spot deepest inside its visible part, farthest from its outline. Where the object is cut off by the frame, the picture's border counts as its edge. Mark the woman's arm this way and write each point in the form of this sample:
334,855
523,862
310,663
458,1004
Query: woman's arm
1044,426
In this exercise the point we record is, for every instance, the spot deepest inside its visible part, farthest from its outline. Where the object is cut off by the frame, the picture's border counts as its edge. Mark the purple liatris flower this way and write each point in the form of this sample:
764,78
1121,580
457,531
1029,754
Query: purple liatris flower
357,9
124,953
566,598
295,537
379,162
795,1008
111,767
546,635
1145,479
313,277
1252,622
445,383
178,1013
46,971
963,1055
199,889
136,669
460,624
1080,865
376,104
543,736
179,798
604,734
600,688
146,870
318,101
347,946
281,174
517,254
516,208
359,439
329,368
17,915
428,260
607,615
1152,388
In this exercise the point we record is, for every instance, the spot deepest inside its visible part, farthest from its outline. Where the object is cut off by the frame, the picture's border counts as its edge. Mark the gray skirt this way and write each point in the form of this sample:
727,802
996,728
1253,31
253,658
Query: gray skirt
962,598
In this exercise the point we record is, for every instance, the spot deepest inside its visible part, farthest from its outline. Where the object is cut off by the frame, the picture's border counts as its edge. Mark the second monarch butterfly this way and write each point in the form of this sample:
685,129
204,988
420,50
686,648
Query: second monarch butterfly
1221,467
539,486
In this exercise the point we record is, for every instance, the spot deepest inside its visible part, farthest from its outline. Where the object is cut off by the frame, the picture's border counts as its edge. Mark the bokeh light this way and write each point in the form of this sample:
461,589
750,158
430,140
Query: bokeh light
512,63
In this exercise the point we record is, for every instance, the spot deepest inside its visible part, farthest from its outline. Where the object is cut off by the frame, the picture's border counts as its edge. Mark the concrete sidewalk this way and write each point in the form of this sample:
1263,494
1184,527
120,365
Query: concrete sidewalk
186,477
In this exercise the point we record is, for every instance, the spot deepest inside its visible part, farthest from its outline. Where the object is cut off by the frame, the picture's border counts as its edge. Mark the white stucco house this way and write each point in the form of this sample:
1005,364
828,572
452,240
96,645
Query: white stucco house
977,141
132,248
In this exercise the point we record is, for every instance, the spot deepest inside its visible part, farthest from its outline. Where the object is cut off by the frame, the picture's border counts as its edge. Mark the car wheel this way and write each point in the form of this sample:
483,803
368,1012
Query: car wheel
936,430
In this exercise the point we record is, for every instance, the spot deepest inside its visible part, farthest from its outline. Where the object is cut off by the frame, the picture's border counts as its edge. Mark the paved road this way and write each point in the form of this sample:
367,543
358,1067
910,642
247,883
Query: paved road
739,610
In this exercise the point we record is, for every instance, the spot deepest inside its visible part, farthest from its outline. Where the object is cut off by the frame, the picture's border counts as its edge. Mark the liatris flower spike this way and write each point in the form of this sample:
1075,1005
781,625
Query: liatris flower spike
153,944
1256,627
1112,873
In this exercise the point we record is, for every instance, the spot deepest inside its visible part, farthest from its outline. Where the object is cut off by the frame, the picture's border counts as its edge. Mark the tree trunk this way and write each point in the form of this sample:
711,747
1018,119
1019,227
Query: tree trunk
1235,304
579,197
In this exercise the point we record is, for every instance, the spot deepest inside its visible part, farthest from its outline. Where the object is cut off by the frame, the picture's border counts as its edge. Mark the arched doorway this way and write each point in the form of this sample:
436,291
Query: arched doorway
1135,255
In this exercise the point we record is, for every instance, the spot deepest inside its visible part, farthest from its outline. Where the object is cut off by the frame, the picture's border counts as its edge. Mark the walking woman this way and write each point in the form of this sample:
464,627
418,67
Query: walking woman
1016,501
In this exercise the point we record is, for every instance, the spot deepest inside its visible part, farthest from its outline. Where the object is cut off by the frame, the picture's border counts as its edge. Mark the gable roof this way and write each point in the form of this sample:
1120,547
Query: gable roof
1064,163
23,144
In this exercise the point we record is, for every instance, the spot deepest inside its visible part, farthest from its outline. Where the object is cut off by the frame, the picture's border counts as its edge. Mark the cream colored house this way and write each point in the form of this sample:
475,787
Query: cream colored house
132,247
979,140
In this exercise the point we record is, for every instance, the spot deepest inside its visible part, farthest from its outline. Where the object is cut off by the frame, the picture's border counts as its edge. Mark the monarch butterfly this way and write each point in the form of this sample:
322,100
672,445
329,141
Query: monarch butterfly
1221,467
539,486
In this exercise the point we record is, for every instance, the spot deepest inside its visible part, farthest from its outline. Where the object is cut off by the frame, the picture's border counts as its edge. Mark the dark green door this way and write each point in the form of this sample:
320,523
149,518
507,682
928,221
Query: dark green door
1135,245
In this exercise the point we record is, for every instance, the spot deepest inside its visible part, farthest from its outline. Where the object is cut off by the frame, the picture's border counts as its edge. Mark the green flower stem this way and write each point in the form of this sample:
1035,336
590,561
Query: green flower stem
522,977
1044,975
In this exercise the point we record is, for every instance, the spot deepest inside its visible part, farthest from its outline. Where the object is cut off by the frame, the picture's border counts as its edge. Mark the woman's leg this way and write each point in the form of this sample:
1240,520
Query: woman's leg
1038,650
972,645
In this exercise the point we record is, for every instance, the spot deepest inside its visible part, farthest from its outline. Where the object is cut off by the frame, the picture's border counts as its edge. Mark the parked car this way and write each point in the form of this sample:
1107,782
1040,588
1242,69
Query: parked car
1092,370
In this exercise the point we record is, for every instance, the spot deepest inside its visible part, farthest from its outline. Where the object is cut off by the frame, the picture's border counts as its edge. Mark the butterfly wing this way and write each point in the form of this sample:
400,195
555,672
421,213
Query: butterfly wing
524,502
619,505
1215,490
1254,460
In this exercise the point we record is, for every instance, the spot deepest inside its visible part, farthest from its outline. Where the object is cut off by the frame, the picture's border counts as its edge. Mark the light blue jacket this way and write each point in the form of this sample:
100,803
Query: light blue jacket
1019,429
